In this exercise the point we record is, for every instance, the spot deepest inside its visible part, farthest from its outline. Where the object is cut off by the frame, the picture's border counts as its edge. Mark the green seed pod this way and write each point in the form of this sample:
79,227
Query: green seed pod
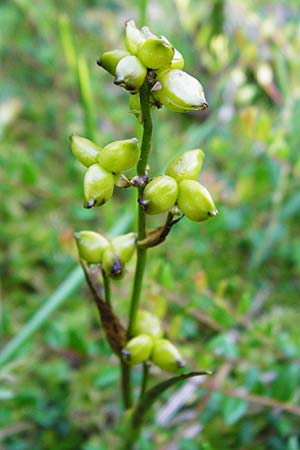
187,166
98,186
124,246
159,195
84,150
112,265
91,246
147,323
155,53
166,356
133,37
179,91
109,60
120,155
138,349
177,61
195,201
130,74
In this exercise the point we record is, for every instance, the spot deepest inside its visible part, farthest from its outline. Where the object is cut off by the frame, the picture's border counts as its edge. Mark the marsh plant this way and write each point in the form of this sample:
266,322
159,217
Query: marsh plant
150,69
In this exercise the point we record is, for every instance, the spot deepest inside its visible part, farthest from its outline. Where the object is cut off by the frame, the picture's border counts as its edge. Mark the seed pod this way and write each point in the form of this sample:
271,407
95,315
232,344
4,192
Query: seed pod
179,91
130,74
112,265
124,246
166,356
133,37
138,349
178,60
98,186
120,155
109,60
91,246
187,166
159,195
147,323
155,52
84,150
195,201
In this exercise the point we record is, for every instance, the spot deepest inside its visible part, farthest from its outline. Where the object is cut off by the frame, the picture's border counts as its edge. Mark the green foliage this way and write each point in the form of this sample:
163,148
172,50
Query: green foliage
234,302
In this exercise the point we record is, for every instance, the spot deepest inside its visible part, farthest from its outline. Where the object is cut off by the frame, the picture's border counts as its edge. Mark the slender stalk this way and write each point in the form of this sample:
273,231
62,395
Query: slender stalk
144,380
126,384
107,290
141,170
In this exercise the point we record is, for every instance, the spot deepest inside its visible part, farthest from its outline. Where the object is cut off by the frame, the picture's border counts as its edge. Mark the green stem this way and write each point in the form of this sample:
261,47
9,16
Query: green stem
144,380
141,170
126,384
107,291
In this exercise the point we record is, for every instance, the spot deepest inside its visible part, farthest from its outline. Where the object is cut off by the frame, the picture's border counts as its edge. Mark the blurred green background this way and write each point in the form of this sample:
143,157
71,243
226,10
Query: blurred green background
228,289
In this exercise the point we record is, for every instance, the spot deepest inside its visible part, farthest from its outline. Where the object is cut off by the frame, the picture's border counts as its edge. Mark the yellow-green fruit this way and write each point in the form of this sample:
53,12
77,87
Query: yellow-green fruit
112,265
109,60
166,356
187,166
91,246
195,201
147,323
138,349
98,186
133,37
130,73
84,150
120,155
124,246
177,61
160,194
155,53
179,91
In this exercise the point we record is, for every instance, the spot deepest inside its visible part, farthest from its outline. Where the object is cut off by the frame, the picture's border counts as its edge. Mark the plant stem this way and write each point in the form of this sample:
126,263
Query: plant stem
141,171
144,380
107,291
125,384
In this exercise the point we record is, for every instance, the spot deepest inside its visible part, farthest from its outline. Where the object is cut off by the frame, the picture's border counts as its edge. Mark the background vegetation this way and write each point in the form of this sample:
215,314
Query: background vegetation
228,290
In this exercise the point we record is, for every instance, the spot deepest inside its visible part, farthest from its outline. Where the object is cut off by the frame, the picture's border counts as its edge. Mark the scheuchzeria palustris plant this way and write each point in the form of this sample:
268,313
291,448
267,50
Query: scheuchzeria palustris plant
150,69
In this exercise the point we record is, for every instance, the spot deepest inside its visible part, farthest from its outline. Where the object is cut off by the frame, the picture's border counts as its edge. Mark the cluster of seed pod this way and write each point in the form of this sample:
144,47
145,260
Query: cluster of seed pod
103,166
179,186
112,254
154,56
148,344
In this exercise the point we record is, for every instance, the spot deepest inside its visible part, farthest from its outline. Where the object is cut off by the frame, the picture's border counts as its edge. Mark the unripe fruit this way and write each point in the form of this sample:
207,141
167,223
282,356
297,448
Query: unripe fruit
124,246
112,265
130,74
98,186
120,155
187,166
109,60
147,323
138,349
177,61
133,37
155,52
166,356
195,201
179,91
159,195
91,246
84,150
